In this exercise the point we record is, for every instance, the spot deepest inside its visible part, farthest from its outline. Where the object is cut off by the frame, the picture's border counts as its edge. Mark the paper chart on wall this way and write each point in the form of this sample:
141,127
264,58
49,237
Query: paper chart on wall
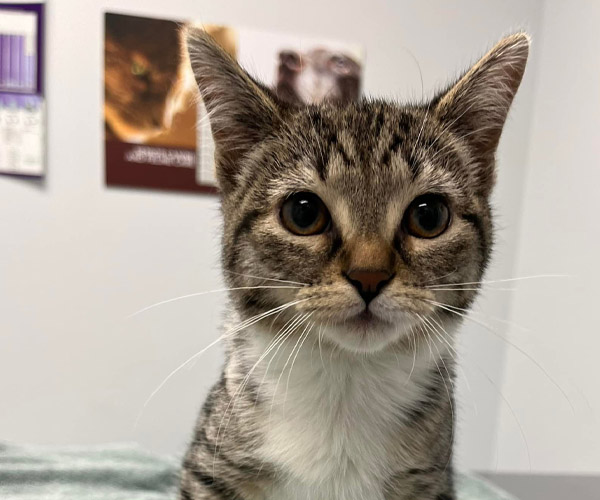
22,104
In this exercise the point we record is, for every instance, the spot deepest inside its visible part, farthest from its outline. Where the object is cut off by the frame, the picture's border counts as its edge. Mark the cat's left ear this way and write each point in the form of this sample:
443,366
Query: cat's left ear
242,112
475,108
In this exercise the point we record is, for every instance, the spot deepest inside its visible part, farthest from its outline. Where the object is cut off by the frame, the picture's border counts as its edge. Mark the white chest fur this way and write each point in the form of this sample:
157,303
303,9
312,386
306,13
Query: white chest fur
333,423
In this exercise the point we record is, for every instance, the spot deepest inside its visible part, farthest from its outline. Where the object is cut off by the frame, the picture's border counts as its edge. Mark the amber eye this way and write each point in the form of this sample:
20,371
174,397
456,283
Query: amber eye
139,69
305,214
427,217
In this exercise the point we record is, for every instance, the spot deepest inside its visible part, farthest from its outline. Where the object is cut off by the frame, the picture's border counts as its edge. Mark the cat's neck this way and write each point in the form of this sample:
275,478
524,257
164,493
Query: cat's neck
302,377
298,370
324,411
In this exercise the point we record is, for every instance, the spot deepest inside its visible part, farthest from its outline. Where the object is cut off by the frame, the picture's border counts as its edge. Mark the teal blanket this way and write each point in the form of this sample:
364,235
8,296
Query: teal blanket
120,472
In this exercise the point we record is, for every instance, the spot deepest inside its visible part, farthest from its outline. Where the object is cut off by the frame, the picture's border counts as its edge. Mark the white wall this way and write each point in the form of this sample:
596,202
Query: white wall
76,257
559,234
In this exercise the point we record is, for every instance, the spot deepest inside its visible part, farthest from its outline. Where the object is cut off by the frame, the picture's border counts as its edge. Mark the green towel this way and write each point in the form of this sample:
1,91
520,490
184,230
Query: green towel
121,472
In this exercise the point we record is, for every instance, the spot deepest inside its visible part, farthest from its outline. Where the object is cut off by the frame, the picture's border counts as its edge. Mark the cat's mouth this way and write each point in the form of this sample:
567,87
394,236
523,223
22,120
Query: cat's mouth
363,332
367,329
366,319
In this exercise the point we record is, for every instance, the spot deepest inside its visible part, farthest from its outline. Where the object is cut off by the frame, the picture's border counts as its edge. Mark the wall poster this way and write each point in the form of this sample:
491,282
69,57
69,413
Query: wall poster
22,107
151,103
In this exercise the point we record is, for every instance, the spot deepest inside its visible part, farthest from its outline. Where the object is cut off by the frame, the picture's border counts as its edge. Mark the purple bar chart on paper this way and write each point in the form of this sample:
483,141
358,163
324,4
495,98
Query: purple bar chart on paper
18,51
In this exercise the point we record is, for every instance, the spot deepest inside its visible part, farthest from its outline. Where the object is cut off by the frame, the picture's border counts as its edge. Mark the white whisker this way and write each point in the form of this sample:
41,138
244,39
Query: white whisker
442,277
230,333
512,411
306,333
472,289
452,414
444,335
512,344
507,280
414,362
273,356
493,318
197,294
266,279
304,319
320,347
280,338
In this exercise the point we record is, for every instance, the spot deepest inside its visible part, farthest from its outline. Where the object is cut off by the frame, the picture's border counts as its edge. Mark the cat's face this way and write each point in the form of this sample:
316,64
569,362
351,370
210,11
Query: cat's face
143,64
370,207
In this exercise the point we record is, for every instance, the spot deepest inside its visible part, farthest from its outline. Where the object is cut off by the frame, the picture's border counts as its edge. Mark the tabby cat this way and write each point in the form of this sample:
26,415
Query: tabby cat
346,230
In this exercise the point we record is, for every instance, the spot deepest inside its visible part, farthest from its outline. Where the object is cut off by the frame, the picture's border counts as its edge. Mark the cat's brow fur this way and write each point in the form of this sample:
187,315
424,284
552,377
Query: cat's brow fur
311,404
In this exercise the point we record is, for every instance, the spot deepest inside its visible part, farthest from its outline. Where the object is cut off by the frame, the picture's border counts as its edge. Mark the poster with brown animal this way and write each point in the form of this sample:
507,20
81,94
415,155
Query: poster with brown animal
157,133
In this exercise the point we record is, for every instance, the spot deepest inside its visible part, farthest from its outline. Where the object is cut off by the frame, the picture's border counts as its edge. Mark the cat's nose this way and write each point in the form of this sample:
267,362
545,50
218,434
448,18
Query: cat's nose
368,282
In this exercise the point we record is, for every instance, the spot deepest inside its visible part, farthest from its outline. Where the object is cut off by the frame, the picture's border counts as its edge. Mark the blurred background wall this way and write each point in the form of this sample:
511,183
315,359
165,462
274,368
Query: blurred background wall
77,258
559,233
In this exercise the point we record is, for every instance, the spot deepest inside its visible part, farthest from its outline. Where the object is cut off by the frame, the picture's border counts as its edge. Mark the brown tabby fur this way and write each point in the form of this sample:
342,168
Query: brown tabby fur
351,422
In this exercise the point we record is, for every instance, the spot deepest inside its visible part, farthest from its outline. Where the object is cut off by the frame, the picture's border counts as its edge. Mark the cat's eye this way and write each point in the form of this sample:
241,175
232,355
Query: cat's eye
428,216
139,69
305,214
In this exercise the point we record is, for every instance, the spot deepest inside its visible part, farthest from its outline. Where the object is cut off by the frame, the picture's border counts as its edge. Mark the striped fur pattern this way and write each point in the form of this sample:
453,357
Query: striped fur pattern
313,402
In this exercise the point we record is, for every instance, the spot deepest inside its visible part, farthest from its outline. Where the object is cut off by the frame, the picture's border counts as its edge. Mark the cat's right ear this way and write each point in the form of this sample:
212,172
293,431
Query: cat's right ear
241,111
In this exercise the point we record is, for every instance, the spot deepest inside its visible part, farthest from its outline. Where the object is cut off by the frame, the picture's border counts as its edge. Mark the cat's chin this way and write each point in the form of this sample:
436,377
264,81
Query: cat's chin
366,332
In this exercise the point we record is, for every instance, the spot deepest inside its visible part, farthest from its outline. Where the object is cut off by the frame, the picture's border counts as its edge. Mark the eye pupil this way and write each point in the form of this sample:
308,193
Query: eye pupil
304,214
427,217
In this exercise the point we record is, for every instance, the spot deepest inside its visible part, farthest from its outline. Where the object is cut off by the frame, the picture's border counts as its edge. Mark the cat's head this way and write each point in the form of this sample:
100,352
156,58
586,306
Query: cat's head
377,210
143,64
